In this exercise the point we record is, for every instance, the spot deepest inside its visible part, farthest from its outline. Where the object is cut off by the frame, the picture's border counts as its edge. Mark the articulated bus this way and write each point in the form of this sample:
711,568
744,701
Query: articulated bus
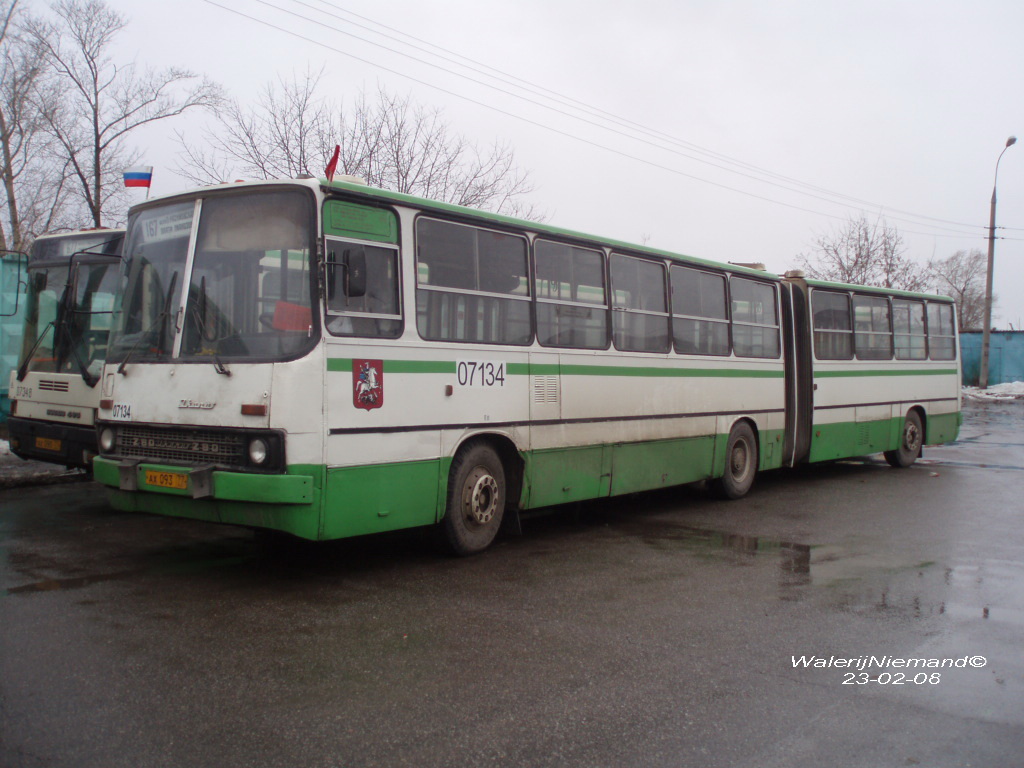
329,360
54,395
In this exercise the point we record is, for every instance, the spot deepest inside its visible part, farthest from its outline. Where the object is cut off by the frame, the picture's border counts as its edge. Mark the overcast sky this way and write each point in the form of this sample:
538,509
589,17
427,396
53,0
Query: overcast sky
878,107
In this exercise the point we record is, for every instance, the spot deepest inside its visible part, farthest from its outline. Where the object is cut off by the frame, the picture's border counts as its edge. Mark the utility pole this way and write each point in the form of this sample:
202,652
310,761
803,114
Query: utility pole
986,332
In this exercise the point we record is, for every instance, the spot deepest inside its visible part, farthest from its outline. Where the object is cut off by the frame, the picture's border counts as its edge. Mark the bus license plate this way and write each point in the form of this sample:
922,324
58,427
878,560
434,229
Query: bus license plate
167,480
47,444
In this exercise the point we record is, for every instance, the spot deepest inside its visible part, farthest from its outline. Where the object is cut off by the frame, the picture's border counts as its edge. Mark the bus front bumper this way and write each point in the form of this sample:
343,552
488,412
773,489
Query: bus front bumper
56,442
203,482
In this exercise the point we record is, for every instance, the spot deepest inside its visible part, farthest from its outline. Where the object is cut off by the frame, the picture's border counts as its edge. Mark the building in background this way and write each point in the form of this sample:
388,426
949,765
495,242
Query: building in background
1006,357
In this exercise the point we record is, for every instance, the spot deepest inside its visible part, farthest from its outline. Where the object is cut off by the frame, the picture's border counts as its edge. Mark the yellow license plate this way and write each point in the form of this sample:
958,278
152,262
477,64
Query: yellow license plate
47,444
167,480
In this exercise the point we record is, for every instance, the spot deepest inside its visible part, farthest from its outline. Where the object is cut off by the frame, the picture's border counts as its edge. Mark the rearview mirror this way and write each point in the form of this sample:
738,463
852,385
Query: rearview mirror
355,272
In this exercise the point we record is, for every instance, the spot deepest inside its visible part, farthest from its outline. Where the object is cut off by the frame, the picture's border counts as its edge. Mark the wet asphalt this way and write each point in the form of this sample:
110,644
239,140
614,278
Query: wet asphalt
653,630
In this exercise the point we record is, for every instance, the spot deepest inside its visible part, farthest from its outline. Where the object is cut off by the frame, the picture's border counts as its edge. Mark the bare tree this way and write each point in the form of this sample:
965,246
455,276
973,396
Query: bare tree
281,136
32,180
863,253
962,276
388,140
99,102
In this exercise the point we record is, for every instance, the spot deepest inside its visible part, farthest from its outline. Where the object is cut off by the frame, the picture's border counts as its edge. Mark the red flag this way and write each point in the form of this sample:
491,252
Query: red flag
333,165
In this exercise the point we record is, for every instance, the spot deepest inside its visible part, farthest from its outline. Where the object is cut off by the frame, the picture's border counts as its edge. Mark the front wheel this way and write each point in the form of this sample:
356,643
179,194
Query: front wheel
476,500
740,462
911,439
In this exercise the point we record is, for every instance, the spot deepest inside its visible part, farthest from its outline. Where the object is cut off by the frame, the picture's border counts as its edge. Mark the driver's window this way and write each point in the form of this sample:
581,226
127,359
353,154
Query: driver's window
362,290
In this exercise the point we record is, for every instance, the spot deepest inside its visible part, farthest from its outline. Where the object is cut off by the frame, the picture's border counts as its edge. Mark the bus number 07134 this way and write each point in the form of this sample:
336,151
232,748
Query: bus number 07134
473,373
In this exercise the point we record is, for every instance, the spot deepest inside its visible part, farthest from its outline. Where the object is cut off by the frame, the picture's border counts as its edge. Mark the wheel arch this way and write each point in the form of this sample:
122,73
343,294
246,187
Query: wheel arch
725,482
922,414
511,460
751,422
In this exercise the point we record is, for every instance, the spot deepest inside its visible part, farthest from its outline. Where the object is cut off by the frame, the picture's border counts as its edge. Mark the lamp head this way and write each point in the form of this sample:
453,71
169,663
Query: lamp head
1011,141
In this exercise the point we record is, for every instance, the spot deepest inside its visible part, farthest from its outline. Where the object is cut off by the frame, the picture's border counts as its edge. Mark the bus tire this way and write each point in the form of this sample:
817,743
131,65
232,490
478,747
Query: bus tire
911,439
476,500
740,462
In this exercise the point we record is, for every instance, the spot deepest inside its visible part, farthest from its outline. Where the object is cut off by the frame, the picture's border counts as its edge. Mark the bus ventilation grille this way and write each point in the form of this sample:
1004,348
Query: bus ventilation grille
545,389
49,385
182,446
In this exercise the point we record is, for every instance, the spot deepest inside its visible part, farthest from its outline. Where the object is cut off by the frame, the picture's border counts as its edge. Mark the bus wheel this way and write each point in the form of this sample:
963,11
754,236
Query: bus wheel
740,462
476,500
910,443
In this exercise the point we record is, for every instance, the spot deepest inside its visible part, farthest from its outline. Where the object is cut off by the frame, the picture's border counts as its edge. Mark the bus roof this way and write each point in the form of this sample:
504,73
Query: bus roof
535,226
76,232
875,289
363,190
374,193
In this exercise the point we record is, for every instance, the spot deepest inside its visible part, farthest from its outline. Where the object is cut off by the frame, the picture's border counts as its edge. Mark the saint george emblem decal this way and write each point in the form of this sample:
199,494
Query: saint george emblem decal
368,384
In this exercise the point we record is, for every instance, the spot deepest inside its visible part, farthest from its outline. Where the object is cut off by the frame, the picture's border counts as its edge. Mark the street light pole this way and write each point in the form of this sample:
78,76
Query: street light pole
986,332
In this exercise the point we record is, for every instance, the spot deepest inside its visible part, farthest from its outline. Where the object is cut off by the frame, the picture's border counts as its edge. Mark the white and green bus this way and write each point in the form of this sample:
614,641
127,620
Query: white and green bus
332,360
71,279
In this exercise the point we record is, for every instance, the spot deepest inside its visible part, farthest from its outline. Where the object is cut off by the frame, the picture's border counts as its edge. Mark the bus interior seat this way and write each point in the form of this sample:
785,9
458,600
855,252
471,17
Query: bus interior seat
291,317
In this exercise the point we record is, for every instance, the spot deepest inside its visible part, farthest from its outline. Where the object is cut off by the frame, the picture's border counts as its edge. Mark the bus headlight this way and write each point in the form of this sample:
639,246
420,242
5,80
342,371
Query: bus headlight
107,439
258,451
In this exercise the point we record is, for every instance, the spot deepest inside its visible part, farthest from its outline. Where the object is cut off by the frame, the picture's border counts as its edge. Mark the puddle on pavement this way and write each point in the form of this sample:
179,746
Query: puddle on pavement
793,559
861,582
181,560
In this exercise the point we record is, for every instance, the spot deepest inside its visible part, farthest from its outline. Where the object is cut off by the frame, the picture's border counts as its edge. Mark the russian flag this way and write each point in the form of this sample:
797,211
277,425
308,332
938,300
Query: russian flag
139,176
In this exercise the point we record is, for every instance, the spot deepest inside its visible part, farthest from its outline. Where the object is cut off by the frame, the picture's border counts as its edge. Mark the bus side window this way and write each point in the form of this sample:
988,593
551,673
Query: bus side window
909,338
872,332
472,284
700,323
833,325
941,331
640,316
571,301
362,290
755,318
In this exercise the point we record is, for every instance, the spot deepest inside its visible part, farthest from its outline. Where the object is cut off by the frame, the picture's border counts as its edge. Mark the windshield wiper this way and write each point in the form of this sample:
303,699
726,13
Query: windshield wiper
64,343
83,369
219,367
161,319
199,318
23,368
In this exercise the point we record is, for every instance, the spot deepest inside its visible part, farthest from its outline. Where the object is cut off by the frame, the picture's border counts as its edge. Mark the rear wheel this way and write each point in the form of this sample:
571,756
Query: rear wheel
476,500
740,462
911,439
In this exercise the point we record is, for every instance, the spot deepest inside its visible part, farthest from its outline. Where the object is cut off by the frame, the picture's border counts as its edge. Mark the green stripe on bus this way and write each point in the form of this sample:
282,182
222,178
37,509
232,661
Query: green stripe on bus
732,373
344,365
877,372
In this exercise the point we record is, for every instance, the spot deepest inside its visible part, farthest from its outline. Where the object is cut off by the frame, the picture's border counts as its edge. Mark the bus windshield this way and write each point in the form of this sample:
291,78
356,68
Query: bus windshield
88,323
217,279
68,333
45,288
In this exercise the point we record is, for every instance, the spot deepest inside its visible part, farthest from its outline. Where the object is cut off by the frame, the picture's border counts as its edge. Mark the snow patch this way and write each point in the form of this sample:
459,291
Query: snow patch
998,393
